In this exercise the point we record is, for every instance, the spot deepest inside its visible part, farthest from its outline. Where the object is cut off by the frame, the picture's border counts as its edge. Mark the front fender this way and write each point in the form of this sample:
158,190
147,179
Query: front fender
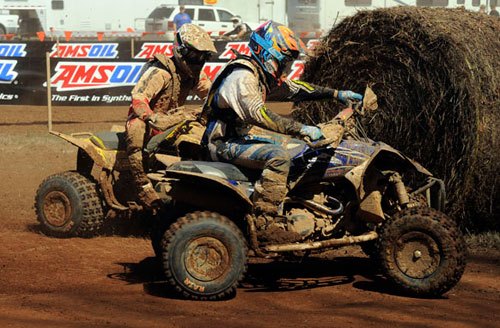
363,178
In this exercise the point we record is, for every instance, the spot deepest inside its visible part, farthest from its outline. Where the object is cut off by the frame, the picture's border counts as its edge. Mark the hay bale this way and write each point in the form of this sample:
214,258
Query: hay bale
436,73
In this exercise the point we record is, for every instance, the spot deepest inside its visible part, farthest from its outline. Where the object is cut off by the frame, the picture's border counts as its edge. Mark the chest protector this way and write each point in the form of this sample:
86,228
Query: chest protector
175,94
211,112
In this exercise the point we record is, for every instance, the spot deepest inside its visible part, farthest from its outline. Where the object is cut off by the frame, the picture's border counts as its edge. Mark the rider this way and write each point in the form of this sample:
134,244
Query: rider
236,103
241,31
158,96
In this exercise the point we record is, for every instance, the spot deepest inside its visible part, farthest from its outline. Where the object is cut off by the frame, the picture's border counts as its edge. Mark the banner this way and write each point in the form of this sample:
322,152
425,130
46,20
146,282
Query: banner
91,73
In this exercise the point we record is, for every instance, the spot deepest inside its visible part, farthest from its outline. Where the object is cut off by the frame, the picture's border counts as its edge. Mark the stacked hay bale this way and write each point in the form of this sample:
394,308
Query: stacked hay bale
437,75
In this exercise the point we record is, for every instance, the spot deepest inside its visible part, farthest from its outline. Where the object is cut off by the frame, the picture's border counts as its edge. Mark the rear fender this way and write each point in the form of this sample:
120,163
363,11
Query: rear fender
207,192
364,179
102,158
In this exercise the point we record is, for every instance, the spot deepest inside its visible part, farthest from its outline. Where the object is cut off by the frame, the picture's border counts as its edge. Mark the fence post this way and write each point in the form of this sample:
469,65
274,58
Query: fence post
132,48
49,91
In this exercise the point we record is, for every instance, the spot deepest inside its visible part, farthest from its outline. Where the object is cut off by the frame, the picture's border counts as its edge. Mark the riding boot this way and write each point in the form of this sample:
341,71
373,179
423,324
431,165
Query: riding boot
268,196
145,191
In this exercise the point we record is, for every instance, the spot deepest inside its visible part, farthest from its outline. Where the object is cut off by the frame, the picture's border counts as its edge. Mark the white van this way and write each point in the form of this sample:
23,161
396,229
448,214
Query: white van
215,20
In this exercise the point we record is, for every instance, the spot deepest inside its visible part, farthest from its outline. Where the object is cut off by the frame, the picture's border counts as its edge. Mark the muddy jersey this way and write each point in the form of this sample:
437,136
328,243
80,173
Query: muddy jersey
243,93
163,86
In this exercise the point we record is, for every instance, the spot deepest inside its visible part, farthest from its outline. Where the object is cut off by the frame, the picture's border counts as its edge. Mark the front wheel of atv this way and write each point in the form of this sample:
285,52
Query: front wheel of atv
422,251
204,256
67,205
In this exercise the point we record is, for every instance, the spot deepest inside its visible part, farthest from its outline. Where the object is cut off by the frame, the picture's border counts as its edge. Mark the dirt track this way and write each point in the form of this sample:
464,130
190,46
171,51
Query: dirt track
114,281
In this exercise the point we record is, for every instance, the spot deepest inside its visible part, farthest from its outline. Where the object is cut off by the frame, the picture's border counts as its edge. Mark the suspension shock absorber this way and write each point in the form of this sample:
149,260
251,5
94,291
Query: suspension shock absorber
400,188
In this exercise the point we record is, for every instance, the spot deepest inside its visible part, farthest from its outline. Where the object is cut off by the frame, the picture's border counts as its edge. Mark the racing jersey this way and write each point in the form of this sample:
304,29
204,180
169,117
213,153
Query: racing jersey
242,92
163,87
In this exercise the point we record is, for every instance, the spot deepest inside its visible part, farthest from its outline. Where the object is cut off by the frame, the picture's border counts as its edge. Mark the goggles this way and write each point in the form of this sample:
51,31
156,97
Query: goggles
197,57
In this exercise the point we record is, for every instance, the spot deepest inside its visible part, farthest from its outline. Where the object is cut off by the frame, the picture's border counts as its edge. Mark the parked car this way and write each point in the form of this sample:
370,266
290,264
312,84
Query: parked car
212,19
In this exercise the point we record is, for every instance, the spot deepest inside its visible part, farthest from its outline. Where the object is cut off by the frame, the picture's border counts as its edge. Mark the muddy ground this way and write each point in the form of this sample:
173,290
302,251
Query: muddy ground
114,281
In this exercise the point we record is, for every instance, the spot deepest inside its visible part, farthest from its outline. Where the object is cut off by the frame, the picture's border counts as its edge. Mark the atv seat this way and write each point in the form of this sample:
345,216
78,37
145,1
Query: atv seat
109,140
155,141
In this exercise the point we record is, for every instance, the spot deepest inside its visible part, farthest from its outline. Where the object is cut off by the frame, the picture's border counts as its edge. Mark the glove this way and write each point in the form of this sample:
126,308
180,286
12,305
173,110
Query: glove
162,122
313,132
346,96
151,118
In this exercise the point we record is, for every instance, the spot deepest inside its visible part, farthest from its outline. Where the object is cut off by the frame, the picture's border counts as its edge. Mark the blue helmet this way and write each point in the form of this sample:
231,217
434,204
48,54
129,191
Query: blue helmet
274,45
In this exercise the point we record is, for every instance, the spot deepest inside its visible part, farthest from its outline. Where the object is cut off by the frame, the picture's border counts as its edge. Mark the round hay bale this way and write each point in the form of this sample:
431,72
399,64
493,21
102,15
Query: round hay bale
436,74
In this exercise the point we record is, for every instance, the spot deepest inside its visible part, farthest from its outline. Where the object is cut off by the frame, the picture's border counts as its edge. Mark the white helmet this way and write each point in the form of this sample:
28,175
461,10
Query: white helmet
236,20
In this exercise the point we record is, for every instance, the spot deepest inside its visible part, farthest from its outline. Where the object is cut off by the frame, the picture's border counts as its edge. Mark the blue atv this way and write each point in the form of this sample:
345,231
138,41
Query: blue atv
341,192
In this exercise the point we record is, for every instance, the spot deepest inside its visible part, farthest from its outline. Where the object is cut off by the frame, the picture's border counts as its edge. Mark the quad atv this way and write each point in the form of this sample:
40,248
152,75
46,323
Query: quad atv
341,192
77,203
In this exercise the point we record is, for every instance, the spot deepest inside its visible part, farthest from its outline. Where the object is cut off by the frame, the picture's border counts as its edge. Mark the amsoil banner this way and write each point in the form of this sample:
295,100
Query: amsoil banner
100,73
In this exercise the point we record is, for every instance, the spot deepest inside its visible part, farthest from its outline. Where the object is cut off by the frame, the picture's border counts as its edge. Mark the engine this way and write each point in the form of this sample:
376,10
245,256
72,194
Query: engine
314,219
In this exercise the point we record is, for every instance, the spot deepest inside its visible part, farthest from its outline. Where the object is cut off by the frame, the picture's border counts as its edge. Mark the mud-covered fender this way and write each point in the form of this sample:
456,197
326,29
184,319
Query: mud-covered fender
206,191
364,182
102,158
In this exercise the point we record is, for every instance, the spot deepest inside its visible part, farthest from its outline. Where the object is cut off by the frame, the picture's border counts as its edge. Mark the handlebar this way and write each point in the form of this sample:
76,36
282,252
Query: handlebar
352,108
356,105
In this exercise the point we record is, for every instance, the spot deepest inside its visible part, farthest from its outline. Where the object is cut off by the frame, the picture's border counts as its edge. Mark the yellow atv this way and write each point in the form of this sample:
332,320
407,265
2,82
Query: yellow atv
76,203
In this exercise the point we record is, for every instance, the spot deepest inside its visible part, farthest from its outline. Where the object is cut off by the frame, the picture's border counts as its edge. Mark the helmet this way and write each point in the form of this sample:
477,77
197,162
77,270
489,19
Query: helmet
236,20
193,44
274,45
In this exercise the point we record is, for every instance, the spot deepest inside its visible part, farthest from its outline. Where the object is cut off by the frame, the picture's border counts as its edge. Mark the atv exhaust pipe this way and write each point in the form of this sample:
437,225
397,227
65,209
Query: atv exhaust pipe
350,240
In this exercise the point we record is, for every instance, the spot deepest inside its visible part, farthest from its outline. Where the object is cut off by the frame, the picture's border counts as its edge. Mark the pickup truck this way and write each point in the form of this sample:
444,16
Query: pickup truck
9,24
213,19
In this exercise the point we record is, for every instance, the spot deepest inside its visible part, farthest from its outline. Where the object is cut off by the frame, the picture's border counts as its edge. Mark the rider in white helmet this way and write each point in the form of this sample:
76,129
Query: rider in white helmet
241,30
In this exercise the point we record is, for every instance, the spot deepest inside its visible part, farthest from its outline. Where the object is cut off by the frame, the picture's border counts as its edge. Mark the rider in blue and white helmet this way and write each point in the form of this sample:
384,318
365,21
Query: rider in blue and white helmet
242,130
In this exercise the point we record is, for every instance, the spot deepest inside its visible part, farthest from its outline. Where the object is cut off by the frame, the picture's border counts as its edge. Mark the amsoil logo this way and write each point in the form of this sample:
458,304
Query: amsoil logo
7,73
311,44
296,71
212,69
14,50
85,50
149,49
7,66
71,76
241,47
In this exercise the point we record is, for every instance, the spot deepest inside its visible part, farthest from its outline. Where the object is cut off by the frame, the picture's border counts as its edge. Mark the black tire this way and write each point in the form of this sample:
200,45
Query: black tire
158,228
67,205
186,247
422,251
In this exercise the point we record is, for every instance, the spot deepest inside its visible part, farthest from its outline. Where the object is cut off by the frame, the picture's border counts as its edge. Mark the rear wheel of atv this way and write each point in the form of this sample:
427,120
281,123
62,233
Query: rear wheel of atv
67,204
204,256
422,251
